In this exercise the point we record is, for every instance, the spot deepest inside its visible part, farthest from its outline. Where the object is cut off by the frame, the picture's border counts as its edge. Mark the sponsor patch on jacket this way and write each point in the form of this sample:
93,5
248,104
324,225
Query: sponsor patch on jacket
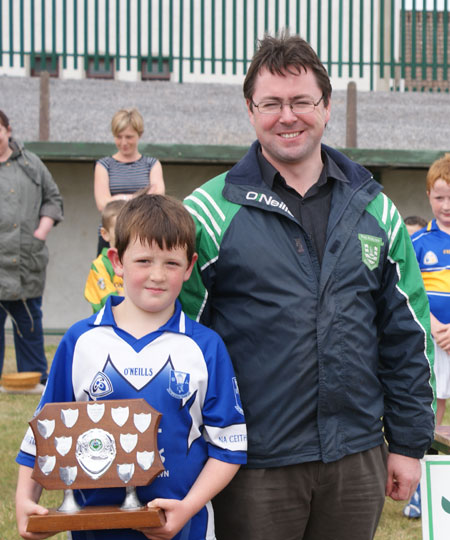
179,384
370,250
100,386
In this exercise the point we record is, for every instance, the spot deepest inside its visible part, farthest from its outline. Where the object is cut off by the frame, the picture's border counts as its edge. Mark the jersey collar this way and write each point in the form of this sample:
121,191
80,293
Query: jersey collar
178,323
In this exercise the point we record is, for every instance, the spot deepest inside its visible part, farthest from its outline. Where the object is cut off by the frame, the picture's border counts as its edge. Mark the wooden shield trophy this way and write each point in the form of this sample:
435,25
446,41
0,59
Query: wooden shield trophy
96,444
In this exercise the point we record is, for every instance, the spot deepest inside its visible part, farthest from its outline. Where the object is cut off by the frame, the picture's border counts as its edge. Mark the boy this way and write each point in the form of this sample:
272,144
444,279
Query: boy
432,247
102,280
137,345
414,224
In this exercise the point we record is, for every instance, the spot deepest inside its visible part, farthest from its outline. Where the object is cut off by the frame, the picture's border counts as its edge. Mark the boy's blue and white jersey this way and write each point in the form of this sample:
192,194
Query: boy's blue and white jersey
182,370
432,247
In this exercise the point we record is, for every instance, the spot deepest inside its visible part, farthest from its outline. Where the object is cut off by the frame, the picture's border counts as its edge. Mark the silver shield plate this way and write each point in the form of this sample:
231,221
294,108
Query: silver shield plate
125,472
68,475
46,464
128,441
142,421
120,415
63,445
96,411
145,459
69,417
46,427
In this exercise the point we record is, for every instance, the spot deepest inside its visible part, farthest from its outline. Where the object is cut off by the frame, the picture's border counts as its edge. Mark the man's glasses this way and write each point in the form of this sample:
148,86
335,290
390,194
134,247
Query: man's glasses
298,106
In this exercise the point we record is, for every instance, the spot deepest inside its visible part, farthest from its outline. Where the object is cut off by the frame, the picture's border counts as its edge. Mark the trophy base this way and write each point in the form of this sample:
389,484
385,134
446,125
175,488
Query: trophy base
97,518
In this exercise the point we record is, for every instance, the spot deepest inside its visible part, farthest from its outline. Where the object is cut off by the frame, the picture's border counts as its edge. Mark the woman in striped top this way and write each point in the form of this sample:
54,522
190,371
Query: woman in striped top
127,171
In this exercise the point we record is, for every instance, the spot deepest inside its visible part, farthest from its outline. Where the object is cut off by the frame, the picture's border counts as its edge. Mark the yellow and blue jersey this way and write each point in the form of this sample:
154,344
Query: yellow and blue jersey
102,282
432,247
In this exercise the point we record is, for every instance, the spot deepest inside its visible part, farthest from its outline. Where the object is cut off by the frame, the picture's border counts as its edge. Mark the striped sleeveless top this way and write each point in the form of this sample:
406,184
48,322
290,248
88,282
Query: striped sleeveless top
127,177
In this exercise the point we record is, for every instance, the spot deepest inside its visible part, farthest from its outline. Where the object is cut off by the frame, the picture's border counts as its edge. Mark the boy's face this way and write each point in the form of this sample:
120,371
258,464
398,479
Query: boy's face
439,197
152,277
412,229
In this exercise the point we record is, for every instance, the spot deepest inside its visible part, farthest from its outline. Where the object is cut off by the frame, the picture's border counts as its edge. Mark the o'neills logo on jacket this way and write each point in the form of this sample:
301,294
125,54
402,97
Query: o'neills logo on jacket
268,200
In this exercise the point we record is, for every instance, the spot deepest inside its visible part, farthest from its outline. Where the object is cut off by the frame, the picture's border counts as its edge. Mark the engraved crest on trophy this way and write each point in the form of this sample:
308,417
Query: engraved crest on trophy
97,444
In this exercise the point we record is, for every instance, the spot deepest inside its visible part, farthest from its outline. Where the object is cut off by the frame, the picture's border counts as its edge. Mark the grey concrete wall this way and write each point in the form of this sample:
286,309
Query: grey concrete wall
73,243
406,187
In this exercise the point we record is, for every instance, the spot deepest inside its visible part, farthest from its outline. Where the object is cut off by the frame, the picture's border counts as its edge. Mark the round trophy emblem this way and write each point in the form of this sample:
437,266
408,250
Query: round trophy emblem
95,451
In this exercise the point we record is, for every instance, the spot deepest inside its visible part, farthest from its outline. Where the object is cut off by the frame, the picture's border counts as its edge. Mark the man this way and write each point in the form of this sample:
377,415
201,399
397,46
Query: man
307,272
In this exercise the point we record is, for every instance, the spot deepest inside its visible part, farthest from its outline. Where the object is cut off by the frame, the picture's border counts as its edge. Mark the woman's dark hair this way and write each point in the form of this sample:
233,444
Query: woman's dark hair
4,120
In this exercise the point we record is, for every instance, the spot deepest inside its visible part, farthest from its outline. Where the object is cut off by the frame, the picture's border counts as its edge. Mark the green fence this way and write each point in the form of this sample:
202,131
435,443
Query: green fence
381,43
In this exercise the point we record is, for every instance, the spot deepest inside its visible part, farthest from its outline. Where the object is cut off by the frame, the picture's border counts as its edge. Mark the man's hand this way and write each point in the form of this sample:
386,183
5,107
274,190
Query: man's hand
403,476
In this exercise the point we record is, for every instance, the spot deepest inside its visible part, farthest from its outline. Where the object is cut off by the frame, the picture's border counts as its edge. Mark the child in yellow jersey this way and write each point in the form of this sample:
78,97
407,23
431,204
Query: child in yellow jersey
102,280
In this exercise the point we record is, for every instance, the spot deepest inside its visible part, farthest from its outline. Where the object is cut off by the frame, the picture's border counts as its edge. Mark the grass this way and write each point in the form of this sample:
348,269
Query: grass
17,410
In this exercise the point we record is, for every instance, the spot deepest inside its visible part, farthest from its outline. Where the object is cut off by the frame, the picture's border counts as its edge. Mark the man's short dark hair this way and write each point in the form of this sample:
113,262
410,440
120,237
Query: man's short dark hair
155,218
286,54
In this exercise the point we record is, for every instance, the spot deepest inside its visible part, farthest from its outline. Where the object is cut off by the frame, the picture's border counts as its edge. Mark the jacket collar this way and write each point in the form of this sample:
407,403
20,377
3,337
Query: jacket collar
16,148
330,170
248,172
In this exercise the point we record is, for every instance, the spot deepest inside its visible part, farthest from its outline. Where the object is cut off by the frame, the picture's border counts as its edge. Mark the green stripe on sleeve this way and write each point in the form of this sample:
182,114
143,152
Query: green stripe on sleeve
401,253
212,215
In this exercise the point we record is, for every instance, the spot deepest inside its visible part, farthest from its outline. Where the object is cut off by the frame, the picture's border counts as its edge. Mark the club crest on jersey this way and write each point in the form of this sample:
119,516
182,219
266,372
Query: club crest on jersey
179,384
430,258
370,250
101,284
237,396
101,386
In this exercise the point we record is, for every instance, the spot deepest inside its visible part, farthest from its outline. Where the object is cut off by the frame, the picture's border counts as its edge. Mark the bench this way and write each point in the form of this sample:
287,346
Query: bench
442,439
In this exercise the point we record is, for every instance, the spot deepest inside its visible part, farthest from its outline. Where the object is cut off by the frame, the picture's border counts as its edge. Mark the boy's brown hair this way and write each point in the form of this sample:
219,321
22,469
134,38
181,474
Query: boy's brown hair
290,54
440,169
111,211
155,218
415,220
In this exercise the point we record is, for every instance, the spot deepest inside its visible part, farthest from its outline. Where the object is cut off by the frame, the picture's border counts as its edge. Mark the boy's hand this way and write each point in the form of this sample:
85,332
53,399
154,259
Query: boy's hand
442,337
440,333
24,510
177,515
214,476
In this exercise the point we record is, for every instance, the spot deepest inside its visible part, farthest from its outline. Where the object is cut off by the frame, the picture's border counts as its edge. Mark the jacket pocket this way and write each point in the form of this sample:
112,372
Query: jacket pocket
38,257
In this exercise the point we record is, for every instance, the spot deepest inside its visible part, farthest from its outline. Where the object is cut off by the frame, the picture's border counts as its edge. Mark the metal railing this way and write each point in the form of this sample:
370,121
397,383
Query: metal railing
379,43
